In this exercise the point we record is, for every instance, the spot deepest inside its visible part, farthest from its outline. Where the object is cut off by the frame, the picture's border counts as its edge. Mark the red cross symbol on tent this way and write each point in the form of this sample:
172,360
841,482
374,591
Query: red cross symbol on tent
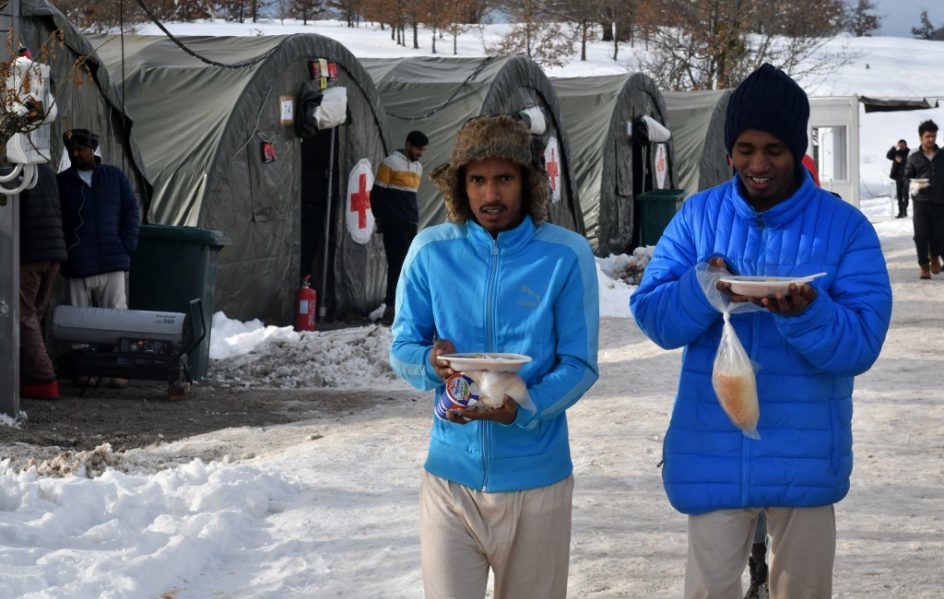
360,201
553,170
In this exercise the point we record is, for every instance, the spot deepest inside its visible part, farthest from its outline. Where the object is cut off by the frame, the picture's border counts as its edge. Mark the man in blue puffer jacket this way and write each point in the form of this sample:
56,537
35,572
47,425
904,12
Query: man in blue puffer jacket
808,345
498,484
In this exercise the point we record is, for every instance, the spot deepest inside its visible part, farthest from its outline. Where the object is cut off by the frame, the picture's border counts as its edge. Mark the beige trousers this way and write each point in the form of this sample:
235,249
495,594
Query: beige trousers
802,552
524,536
101,291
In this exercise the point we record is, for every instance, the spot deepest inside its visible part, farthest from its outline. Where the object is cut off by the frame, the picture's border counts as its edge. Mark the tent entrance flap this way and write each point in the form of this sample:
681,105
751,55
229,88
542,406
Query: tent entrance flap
318,205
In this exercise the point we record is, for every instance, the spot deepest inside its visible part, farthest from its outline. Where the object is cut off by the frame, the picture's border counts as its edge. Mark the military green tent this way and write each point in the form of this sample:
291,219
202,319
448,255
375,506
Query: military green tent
437,95
215,127
86,96
697,123
612,124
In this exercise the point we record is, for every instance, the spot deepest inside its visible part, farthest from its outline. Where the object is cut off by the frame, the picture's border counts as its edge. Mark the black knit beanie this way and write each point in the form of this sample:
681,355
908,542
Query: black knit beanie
769,100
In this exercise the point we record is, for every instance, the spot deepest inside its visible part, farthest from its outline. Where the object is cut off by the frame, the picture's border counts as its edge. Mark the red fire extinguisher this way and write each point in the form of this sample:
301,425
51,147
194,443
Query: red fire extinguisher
306,299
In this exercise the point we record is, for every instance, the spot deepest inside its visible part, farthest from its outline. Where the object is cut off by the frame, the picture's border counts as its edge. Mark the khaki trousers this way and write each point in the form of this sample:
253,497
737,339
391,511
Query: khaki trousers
100,291
802,552
524,536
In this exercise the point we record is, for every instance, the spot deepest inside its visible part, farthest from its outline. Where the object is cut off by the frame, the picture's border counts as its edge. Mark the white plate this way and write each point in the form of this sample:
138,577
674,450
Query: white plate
762,286
497,362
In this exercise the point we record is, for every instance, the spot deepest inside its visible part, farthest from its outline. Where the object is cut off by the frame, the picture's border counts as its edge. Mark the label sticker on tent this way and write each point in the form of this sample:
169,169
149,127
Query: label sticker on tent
286,110
661,165
359,218
553,166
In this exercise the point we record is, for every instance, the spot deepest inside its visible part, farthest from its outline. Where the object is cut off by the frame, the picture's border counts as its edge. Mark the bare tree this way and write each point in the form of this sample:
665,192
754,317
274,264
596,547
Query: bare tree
23,107
545,42
442,16
104,14
350,10
306,10
392,12
713,44
584,16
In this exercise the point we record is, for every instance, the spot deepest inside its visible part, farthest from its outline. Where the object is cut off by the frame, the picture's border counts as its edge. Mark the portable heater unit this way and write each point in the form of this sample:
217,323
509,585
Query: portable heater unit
130,344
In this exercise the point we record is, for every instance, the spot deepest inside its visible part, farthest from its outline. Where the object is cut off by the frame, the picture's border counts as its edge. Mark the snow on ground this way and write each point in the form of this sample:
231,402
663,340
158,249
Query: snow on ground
329,508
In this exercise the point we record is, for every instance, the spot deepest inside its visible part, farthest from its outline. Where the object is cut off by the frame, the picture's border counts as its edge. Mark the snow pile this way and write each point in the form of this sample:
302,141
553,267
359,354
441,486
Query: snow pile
233,338
251,354
278,357
625,268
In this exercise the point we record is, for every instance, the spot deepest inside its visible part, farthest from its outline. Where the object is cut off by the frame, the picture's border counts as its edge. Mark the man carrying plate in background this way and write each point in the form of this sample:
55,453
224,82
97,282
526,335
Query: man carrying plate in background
497,491
808,342
925,168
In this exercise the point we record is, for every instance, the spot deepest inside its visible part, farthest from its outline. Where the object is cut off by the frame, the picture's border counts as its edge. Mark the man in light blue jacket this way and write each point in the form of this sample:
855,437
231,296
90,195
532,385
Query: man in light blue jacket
807,346
497,278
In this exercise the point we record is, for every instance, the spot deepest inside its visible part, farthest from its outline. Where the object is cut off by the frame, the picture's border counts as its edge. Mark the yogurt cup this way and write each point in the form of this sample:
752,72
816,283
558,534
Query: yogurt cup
460,392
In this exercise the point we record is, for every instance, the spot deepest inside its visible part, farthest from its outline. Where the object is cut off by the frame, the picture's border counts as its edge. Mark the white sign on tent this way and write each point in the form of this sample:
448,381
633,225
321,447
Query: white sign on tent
552,165
661,165
358,217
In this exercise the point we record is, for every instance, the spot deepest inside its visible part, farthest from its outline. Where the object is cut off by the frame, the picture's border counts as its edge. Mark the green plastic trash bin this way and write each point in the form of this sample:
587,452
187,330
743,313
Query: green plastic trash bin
172,266
656,209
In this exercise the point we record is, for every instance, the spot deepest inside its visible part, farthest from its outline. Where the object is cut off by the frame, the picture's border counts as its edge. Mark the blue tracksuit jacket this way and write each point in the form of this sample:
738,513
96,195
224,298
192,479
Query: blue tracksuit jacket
532,291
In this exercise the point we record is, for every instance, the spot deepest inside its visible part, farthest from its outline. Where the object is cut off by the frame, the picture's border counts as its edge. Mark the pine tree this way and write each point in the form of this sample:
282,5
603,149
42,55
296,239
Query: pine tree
862,19
924,31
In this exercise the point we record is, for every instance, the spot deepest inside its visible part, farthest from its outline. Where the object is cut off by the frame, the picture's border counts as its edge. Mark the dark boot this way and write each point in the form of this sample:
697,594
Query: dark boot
758,570
935,265
925,271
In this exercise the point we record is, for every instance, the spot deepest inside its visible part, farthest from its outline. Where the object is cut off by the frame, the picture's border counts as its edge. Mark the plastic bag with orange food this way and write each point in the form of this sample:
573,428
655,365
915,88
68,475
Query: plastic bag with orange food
732,376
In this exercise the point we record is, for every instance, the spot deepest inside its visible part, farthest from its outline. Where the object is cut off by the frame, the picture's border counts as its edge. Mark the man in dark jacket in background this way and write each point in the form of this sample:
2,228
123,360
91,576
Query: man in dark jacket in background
42,250
393,202
925,166
101,217
898,155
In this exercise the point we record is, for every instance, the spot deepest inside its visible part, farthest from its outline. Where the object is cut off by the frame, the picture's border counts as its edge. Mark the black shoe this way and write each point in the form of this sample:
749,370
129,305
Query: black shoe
758,570
758,592
387,317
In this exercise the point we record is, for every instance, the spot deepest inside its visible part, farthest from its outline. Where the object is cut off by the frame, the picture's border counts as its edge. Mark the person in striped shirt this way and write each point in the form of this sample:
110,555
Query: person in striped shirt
393,202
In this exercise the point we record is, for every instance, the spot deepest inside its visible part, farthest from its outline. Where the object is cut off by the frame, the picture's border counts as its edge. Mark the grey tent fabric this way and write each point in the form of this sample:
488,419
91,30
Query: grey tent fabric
437,95
93,104
697,123
611,167
887,104
200,131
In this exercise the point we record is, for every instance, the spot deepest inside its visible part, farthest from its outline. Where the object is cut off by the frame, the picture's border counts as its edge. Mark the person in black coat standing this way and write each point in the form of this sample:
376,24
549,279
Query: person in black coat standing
100,217
898,155
925,170
42,251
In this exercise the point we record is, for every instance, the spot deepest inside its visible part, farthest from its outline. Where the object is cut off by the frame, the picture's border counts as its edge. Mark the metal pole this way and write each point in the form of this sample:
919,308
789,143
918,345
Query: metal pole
322,310
9,263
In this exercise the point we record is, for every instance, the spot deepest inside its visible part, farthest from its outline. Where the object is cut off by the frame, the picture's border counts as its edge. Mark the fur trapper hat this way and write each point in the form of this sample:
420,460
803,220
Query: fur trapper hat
484,137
